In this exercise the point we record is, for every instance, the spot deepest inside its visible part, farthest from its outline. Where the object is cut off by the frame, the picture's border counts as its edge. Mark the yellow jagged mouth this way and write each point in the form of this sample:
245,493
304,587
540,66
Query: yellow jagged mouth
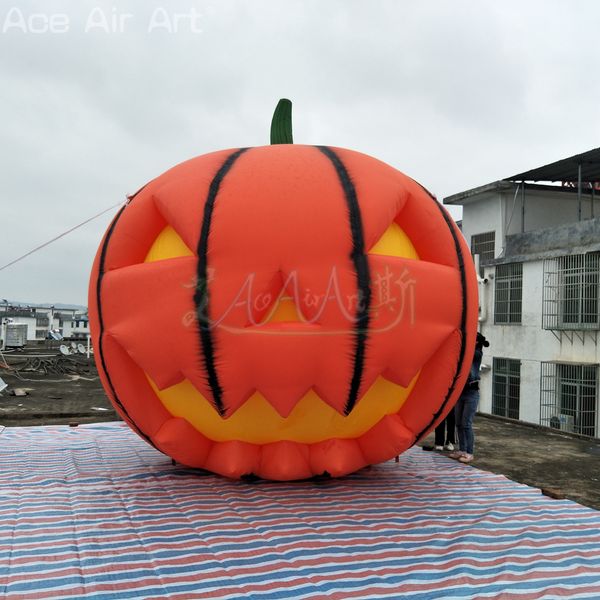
257,422
311,420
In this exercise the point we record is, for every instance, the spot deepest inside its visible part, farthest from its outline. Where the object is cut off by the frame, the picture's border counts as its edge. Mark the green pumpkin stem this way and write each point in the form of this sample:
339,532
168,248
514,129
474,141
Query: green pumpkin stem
281,124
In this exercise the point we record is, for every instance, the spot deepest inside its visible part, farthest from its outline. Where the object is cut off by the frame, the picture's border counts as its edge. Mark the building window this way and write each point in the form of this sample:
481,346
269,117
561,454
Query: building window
508,293
506,387
568,397
571,292
483,244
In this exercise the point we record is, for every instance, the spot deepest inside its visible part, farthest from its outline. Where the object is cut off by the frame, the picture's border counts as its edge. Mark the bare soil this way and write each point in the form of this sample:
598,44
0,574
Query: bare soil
563,465
61,390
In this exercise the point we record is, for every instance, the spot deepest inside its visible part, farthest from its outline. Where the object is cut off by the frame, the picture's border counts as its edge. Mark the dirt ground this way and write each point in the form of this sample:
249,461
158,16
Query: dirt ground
538,457
70,392
60,390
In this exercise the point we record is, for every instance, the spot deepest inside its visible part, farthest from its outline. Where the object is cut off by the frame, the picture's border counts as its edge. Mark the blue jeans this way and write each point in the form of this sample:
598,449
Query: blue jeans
465,410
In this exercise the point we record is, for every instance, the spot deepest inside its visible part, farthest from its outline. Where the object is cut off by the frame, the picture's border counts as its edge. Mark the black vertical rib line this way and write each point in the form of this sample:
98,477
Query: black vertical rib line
201,295
463,315
101,322
363,277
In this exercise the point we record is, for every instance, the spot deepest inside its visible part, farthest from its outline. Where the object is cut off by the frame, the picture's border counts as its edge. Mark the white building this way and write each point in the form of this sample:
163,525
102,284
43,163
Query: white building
76,327
69,322
539,249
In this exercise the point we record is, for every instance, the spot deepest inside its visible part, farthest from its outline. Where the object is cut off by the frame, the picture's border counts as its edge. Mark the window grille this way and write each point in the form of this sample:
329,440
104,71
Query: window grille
508,293
571,291
506,387
484,244
568,397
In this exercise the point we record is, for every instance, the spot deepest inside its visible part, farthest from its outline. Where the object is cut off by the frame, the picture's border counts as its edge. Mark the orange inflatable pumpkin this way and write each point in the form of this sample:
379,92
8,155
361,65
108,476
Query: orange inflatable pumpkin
283,311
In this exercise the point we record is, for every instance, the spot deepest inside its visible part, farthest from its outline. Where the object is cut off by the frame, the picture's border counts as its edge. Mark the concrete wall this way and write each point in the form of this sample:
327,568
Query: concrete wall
500,211
482,215
577,238
548,209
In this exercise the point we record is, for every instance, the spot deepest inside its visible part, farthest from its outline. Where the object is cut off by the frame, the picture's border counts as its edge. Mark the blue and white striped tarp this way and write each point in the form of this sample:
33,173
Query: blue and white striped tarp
94,511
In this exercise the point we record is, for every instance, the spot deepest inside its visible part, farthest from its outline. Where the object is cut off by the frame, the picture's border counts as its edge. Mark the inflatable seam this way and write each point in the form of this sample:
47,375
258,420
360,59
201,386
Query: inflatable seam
201,296
101,320
361,267
463,315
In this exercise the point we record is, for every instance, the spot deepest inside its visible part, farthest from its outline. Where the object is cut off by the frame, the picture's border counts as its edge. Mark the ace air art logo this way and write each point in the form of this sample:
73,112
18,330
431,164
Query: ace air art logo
101,21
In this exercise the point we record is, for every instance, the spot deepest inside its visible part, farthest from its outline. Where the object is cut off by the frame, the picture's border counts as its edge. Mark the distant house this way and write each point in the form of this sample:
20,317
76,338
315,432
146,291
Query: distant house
539,255
69,321
76,327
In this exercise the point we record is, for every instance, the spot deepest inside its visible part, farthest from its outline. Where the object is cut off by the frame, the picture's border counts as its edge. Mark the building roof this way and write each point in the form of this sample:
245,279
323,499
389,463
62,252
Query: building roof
482,189
17,313
503,185
565,169
58,306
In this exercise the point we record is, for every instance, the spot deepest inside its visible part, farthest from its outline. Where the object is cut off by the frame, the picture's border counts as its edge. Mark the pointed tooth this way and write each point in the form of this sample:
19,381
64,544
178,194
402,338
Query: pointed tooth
234,398
284,400
231,400
198,379
369,376
333,394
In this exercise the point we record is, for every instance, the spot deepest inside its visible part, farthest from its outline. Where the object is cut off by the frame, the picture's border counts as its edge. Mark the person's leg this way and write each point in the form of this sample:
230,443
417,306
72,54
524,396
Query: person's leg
458,413
440,432
471,400
450,428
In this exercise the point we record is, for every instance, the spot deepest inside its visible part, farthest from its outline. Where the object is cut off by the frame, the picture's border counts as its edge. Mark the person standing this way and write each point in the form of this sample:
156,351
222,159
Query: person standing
466,407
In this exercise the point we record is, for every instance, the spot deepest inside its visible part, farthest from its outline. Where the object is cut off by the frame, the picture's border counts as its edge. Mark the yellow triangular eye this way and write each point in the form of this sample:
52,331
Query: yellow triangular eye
168,244
284,311
394,242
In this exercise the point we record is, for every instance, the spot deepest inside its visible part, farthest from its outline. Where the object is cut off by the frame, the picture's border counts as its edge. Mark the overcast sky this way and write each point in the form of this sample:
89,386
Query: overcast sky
454,93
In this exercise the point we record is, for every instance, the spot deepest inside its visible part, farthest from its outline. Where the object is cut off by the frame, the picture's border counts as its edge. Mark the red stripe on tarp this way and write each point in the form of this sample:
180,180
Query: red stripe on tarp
419,522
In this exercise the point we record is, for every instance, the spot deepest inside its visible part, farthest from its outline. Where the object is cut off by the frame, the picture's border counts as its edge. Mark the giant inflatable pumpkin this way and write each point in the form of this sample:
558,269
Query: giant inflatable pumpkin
283,311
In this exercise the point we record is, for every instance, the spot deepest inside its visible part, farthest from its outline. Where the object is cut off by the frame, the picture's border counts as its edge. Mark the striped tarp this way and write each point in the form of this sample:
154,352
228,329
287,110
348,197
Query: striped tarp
94,511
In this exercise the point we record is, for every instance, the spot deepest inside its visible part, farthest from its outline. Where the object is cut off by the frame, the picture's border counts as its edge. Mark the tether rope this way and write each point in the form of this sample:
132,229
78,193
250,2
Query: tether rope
54,239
